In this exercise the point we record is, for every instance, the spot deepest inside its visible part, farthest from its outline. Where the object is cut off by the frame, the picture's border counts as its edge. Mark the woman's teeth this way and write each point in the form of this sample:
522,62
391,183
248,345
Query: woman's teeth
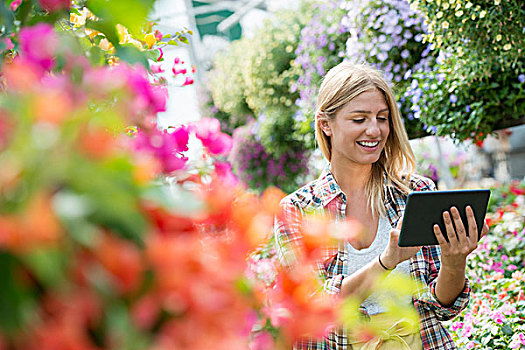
368,144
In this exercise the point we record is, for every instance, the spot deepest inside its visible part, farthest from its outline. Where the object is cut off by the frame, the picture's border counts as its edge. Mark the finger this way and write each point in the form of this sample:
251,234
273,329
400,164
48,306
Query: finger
399,224
461,232
449,228
472,225
439,236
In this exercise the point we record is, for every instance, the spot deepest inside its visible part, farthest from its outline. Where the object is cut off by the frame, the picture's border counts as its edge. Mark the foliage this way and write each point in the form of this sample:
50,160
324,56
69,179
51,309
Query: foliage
321,47
482,35
260,169
226,81
464,109
478,82
252,81
387,35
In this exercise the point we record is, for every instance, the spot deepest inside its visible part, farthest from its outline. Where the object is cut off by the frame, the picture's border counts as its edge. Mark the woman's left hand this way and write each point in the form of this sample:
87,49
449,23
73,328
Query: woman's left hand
460,244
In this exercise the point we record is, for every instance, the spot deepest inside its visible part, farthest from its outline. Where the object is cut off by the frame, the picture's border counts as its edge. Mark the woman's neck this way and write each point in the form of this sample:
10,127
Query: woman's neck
351,177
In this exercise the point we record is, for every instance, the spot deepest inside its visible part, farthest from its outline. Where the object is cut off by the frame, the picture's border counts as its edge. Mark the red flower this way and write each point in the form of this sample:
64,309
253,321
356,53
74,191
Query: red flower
188,80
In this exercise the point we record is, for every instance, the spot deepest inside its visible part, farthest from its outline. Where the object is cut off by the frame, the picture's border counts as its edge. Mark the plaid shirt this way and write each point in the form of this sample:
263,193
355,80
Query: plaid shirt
324,194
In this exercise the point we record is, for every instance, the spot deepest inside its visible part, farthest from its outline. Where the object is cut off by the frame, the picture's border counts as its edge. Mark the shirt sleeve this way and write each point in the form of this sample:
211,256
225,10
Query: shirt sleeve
429,299
288,240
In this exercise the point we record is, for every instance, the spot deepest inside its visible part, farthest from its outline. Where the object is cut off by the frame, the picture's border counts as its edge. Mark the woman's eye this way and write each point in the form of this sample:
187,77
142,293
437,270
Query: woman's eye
358,120
383,119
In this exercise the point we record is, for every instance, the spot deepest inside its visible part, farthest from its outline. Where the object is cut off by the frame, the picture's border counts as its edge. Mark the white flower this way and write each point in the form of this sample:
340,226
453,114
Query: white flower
507,47
482,14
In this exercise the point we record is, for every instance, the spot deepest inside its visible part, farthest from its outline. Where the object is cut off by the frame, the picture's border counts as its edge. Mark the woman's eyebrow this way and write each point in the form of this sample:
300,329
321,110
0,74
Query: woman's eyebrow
367,112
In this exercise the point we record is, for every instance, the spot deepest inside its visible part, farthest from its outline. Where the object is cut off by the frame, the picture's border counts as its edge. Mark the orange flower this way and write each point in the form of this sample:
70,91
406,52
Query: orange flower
52,106
35,226
97,143
122,260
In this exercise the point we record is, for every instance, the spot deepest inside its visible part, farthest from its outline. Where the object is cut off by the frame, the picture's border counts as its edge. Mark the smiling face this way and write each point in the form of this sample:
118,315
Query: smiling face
360,129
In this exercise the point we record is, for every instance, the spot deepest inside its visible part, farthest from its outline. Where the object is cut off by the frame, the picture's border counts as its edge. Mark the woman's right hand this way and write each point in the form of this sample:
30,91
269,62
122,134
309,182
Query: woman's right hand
394,254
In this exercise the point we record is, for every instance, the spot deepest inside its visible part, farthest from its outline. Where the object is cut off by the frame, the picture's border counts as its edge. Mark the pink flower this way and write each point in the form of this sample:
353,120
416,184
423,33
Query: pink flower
508,309
518,339
165,146
161,55
208,130
224,172
176,60
262,341
14,5
456,325
158,35
156,68
38,45
498,317
279,315
55,5
188,81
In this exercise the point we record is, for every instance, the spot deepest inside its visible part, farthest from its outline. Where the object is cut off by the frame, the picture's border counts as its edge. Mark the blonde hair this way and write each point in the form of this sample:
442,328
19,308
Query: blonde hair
342,84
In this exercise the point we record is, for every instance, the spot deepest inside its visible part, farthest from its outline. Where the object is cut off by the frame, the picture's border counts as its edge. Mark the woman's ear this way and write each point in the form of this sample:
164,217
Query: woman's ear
325,126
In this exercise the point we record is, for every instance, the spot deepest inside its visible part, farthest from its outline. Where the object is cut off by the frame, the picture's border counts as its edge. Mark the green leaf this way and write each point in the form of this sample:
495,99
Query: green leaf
107,28
48,265
16,303
132,55
173,42
110,192
184,40
130,13
507,330
6,17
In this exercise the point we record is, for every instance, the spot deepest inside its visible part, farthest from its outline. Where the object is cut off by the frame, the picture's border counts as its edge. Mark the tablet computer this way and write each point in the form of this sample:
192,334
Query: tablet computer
424,209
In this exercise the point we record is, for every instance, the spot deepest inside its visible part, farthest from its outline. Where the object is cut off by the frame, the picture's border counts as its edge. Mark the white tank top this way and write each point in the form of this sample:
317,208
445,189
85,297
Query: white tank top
359,258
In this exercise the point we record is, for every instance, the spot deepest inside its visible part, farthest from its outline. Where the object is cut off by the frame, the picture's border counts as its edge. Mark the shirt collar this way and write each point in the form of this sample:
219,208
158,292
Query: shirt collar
326,188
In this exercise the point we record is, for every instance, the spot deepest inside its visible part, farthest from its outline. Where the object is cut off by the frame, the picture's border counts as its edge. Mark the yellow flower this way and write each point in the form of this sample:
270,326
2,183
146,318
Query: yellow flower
460,51
507,47
482,14
444,25
439,14
473,17
498,37
150,40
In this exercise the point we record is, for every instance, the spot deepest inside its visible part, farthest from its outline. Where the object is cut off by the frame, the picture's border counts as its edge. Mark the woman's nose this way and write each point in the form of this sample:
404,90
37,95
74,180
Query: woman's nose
373,129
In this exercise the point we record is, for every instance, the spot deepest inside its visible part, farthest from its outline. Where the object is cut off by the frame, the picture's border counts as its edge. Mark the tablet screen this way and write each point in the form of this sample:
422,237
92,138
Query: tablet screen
424,209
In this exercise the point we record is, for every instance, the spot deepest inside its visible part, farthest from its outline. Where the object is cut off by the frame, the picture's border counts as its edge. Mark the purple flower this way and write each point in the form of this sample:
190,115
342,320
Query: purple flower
453,98
521,78
467,108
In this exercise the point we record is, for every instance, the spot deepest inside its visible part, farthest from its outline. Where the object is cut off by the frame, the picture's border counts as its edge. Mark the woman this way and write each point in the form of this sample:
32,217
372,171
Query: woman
370,173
